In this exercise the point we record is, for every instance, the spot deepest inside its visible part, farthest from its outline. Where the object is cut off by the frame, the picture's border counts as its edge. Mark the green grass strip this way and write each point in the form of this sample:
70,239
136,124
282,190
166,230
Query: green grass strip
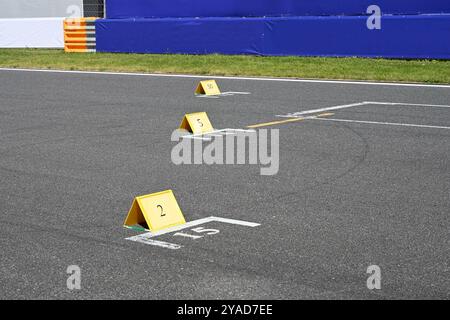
419,71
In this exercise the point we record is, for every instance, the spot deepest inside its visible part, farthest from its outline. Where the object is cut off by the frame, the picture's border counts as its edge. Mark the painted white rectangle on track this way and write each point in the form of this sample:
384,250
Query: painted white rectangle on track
301,114
148,237
383,123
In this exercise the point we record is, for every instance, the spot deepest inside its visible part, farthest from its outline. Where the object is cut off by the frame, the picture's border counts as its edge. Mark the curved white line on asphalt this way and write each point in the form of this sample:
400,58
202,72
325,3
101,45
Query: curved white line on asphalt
234,78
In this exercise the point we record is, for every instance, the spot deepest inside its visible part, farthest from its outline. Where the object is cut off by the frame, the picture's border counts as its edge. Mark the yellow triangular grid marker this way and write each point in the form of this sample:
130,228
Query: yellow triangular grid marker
197,123
208,87
155,212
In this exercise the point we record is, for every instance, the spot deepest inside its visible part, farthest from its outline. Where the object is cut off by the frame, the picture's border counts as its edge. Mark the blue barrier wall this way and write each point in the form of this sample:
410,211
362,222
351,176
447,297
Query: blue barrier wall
119,9
415,36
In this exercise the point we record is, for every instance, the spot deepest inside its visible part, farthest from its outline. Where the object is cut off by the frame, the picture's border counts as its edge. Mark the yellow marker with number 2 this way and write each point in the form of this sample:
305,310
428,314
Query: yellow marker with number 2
155,212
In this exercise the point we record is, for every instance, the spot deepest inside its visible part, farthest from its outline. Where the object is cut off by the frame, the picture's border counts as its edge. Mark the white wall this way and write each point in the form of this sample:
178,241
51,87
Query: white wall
35,23
41,8
32,33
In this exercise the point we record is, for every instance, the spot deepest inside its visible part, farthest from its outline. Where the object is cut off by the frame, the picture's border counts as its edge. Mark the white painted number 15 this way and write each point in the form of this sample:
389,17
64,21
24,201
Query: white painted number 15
199,230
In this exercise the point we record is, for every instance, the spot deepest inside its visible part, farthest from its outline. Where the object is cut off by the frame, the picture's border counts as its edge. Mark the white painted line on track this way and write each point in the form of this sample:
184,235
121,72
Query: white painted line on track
198,138
172,229
215,133
223,94
381,123
301,113
236,92
236,222
359,104
207,97
156,243
234,78
147,238
408,104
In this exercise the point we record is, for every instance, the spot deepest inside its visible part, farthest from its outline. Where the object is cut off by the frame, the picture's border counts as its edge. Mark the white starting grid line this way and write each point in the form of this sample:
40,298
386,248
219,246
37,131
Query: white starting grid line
384,123
223,94
301,113
216,133
147,238
364,103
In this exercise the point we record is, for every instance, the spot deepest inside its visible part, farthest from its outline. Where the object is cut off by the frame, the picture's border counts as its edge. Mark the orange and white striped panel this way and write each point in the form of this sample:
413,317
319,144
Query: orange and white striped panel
79,35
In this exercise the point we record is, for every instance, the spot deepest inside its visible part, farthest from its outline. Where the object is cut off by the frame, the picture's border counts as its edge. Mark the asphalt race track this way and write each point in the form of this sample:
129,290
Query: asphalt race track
367,185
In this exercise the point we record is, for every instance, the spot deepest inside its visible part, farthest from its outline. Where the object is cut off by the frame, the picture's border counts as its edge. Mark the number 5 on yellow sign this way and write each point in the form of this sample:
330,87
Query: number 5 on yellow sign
197,123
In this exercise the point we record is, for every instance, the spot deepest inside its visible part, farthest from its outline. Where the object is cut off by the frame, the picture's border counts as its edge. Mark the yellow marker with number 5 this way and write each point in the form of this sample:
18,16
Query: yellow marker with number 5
155,212
197,123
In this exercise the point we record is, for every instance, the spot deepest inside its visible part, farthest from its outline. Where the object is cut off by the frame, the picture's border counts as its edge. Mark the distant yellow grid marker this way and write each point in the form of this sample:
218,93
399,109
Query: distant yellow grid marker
208,88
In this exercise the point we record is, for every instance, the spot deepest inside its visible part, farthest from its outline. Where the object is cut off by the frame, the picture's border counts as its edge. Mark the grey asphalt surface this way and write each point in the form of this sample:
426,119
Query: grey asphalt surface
75,149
